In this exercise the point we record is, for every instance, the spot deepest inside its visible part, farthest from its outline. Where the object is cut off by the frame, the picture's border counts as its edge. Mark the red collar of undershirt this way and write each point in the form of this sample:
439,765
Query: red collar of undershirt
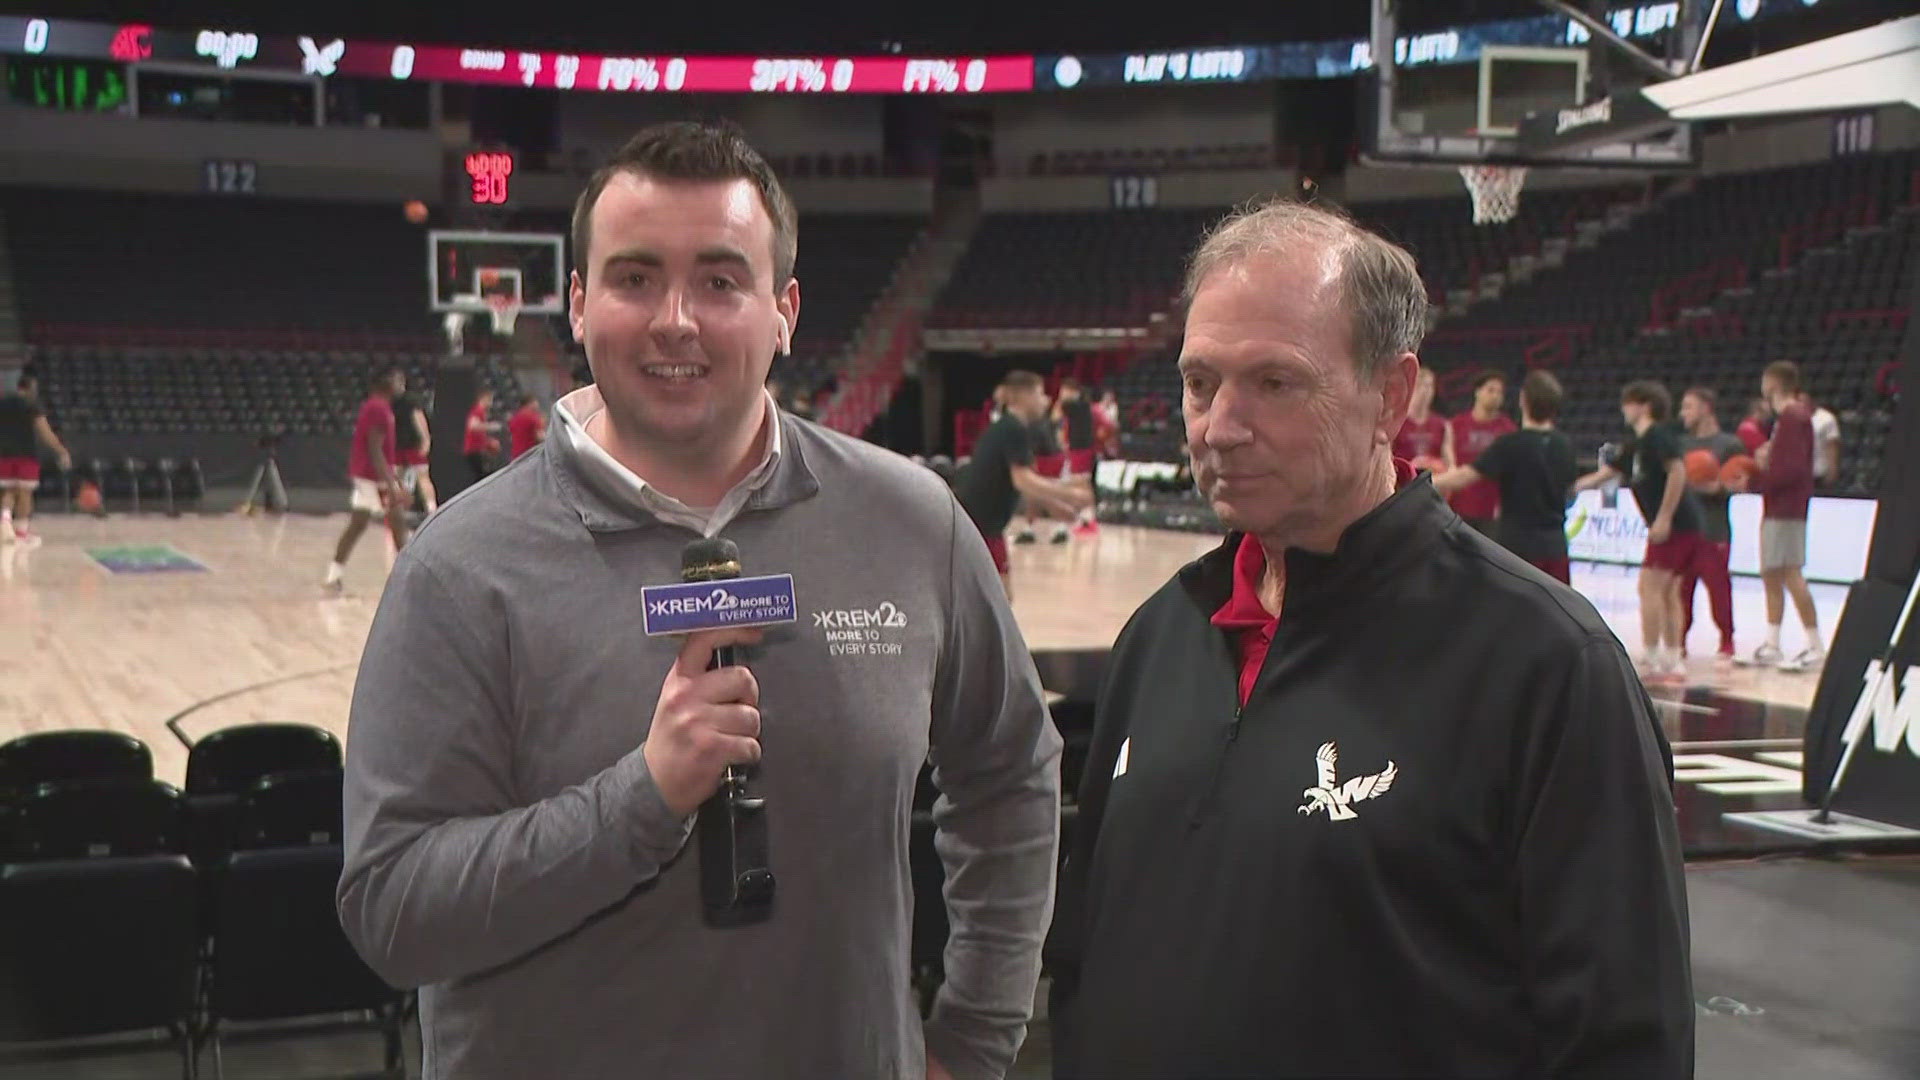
1243,609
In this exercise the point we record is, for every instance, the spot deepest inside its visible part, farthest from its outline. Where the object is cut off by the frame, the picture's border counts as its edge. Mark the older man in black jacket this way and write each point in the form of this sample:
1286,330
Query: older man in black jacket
1368,795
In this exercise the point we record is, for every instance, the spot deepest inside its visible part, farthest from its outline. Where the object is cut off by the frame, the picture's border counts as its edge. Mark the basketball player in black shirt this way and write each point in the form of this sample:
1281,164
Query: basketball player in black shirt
413,442
1535,471
1050,462
1002,470
23,427
1657,476
1075,415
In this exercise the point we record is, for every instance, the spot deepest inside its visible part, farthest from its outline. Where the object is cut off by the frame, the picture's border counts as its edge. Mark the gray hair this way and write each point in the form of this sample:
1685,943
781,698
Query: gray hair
1377,280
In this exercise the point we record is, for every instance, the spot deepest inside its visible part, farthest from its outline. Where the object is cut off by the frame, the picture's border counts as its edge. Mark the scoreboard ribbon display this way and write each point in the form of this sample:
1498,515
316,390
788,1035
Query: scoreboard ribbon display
234,50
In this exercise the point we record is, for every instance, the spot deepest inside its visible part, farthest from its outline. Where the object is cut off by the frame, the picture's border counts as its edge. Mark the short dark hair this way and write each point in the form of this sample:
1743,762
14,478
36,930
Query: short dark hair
1784,372
1021,379
1647,392
26,381
1705,394
1486,377
693,151
1541,395
382,374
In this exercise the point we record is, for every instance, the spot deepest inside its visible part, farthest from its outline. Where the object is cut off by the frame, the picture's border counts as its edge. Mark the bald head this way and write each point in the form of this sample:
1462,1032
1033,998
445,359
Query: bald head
1375,279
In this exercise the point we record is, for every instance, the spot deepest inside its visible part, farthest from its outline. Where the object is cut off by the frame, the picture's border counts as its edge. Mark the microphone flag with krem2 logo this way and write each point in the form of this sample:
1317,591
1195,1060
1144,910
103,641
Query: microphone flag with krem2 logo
736,882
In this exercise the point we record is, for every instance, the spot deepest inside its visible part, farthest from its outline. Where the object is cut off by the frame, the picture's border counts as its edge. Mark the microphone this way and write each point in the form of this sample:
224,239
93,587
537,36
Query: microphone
736,886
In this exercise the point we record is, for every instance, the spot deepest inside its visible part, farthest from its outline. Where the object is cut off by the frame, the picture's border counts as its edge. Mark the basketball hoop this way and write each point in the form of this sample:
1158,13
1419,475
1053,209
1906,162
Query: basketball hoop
1495,190
504,309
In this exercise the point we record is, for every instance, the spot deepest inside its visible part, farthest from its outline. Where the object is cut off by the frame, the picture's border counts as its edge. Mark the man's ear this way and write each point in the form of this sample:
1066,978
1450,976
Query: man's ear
1397,380
787,305
577,307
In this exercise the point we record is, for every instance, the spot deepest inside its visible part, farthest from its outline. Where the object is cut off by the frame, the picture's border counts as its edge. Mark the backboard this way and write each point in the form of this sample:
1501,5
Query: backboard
464,268
1442,100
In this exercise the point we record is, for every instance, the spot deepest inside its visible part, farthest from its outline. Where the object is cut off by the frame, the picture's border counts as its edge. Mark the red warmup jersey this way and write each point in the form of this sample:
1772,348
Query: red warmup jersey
476,440
1752,434
525,428
1421,438
376,415
1470,438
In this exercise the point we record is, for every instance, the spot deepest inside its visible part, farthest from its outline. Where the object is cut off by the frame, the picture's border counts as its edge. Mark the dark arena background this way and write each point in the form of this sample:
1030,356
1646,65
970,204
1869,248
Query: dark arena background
219,221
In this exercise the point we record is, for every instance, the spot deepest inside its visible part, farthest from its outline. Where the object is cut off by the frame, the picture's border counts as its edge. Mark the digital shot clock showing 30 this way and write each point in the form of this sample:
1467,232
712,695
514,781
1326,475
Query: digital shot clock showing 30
487,173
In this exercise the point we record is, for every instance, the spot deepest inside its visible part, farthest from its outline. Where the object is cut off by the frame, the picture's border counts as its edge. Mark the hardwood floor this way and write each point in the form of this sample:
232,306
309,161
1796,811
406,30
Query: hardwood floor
252,637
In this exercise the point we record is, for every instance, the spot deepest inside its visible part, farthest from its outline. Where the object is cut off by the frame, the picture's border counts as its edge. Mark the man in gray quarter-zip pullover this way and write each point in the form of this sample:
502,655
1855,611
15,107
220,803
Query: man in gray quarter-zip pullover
524,763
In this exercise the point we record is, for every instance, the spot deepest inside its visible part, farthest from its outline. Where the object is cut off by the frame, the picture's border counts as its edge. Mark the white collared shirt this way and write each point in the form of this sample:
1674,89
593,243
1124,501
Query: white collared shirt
580,406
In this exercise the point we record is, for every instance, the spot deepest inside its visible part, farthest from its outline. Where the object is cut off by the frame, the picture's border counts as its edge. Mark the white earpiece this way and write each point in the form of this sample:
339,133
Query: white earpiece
783,341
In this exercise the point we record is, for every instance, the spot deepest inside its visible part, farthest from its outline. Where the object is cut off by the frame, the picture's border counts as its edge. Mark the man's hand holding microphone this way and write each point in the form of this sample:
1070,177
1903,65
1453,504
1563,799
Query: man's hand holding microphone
704,721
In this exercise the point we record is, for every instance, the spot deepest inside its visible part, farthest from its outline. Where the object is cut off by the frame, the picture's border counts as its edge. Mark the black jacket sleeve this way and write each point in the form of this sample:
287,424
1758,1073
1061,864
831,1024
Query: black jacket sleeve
1066,939
1601,896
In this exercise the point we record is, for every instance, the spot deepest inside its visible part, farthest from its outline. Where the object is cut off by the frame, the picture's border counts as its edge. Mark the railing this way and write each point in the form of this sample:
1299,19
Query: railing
1718,324
1859,211
1555,346
264,338
1896,317
1693,289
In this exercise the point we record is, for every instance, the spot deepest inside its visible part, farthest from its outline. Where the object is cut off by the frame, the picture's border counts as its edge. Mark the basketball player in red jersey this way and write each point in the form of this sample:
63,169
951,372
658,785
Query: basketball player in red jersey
1473,432
1426,439
527,428
479,444
1754,426
372,467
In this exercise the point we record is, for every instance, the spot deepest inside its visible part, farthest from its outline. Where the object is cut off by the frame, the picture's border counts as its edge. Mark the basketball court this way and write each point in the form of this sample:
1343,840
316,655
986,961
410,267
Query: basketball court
153,626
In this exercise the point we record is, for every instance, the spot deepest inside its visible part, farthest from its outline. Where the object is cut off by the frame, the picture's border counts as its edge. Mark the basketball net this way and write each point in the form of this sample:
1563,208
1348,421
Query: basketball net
1495,190
504,310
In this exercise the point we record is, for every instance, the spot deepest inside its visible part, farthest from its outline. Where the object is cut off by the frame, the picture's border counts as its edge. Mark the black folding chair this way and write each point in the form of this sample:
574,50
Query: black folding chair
85,819
223,766
94,947
279,953
50,756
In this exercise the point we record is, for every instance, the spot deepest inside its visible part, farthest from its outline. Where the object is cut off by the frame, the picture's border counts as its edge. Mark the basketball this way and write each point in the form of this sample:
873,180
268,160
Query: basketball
417,212
1736,471
87,499
1702,467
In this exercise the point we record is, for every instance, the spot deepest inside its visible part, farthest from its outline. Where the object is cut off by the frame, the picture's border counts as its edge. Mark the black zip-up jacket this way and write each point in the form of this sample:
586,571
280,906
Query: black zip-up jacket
1438,841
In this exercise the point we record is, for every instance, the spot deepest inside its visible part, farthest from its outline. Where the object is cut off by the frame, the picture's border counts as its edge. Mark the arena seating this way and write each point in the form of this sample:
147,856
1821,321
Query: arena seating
1813,263
1723,232
845,262
154,314
126,907
174,262
1114,268
1454,253
1840,315
1837,308
89,389
1159,159
1070,269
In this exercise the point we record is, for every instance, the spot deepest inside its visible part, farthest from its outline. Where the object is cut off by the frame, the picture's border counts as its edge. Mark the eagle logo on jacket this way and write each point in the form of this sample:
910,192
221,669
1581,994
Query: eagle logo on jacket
1337,798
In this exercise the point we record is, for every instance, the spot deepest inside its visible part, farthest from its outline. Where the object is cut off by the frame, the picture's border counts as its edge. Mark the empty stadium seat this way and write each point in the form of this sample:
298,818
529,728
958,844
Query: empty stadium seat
45,757
98,946
84,819
225,765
